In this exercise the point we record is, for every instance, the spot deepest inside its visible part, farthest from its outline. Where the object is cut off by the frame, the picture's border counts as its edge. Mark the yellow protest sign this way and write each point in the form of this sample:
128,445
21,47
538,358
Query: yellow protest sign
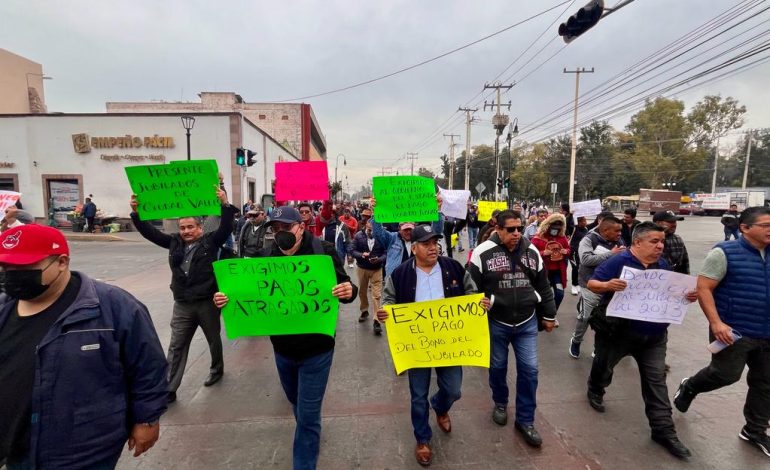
487,207
438,333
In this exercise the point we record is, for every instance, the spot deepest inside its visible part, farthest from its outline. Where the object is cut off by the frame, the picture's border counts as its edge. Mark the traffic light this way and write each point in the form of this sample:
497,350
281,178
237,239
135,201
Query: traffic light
585,19
240,156
499,183
250,157
507,183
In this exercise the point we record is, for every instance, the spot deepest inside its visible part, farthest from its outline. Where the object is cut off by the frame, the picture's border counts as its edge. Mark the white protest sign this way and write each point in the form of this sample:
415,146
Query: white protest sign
7,199
653,295
586,208
454,202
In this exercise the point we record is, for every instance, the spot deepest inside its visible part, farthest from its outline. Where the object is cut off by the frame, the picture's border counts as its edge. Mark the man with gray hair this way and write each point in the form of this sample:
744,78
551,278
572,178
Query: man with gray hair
191,253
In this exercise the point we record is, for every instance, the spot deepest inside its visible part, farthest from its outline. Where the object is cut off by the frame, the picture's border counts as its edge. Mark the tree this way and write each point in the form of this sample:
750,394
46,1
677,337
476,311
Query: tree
593,169
712,117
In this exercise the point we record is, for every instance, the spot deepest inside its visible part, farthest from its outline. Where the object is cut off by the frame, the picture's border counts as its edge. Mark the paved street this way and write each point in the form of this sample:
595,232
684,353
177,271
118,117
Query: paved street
245,421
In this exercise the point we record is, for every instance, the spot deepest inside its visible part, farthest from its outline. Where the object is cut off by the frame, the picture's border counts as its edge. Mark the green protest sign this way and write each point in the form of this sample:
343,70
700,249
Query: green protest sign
177,189
404,199
280,295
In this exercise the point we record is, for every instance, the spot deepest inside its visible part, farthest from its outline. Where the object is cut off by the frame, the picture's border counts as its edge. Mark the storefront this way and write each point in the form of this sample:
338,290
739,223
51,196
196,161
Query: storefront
56,160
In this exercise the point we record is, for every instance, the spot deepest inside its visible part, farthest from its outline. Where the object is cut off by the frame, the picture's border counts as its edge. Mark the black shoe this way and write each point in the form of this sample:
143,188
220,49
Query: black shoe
596,401
363,317
674,446
762,441
461,250
684,396
500,415
171,397
377,328
212,379
530,434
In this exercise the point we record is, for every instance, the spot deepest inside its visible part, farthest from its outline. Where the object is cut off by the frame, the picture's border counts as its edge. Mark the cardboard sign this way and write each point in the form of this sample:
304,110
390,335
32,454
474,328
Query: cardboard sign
487,207
454,202
438,333
586,209
404,199
7,199
653,295
301,181
280,295
178,189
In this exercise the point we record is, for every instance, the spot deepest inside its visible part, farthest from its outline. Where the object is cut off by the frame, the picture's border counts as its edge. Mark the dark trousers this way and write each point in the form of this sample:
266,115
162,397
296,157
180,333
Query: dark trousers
25,463
575,264
650,355
731,232
726,368
449,380
185,319
90,222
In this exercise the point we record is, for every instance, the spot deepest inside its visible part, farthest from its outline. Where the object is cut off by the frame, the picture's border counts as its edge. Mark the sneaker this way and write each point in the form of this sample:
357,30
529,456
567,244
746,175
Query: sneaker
377,328
500,415
363,317
350,265
530,434
596,401
684,396
762,441
574,348
674,446
575,290
593,354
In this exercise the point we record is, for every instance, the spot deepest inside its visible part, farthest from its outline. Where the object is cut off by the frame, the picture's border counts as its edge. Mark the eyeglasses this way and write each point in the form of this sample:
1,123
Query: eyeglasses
765,226
518,228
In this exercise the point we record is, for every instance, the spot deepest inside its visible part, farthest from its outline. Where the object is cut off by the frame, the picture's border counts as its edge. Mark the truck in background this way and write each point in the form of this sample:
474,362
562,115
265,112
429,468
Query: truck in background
656,200
719,203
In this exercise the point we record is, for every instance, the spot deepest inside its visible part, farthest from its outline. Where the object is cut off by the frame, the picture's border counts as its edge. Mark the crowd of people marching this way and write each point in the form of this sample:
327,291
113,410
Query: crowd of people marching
91,373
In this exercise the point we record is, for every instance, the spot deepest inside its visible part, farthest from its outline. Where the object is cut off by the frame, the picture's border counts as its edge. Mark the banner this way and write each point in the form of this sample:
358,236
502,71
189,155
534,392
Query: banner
487,207
454,202
301,181
438,333
7,199
653,295
281,295
178,189
586,209
404,199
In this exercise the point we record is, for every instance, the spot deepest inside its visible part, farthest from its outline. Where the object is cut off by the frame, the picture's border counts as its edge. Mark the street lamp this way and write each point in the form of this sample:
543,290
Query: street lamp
188,122
337,164
513,131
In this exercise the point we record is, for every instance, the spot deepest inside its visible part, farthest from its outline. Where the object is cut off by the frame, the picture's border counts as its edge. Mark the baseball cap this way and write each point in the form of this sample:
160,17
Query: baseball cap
664,216
29,244
285,214
423,233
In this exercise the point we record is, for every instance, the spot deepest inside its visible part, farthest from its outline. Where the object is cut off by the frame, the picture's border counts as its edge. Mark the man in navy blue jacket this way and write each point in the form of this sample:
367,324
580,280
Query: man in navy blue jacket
734,293
81,367
370,256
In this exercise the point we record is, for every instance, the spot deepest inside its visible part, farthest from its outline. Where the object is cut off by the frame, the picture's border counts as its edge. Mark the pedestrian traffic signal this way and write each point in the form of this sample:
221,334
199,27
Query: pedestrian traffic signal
499,183
585,19
240,156
507,183
250,160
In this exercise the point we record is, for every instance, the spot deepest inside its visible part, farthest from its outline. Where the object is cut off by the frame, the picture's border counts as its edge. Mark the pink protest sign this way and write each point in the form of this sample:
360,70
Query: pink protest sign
7,199
301,181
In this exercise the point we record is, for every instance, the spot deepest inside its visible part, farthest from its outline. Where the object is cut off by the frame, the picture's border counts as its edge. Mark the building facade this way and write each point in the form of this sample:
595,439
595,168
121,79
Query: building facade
21,85
293,125
56,160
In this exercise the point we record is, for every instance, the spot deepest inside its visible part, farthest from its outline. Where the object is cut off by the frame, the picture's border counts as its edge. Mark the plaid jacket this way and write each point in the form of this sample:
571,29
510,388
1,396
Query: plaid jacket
675,253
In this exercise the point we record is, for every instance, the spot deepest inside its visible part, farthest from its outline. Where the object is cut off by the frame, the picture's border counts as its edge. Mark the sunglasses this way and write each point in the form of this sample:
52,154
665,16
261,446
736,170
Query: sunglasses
519,229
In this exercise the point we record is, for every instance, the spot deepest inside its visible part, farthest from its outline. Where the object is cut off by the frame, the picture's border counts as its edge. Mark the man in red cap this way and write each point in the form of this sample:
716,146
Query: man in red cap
81,366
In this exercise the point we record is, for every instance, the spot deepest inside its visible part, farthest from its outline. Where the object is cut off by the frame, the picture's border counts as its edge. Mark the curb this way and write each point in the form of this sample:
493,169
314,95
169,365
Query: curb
95,237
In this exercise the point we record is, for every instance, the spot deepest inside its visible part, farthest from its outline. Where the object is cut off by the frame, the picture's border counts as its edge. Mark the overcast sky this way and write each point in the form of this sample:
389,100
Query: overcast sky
140,50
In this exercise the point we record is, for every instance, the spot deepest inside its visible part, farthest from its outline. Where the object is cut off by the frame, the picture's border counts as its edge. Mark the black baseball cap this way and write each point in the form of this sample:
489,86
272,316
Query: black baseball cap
285,214
664,216
423,233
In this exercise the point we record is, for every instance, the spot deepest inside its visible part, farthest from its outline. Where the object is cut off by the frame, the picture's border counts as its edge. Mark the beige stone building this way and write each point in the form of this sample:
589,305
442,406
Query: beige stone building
21,85
293,125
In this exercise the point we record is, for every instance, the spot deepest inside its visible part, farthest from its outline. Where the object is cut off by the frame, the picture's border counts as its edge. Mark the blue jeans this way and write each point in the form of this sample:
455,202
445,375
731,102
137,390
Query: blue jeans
731,232
554,277
304,383
473,236
449,379
524,341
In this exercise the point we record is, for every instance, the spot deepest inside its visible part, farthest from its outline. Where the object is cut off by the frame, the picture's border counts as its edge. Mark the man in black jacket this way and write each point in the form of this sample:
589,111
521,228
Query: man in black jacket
303,360
190,255
512,275
370,255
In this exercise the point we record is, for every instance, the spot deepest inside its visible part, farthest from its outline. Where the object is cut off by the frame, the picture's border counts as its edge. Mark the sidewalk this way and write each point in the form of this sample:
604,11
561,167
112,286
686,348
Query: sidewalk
102,237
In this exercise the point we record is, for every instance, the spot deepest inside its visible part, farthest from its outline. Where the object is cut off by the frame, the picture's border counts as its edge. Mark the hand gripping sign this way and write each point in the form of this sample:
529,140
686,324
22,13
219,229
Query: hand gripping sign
280,295
653,295
438,333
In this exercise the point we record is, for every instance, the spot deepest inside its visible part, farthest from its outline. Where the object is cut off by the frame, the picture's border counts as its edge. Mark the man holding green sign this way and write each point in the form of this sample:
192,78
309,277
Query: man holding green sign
294,286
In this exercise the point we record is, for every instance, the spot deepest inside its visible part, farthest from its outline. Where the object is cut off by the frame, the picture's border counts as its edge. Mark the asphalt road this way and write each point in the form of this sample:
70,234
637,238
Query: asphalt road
246,422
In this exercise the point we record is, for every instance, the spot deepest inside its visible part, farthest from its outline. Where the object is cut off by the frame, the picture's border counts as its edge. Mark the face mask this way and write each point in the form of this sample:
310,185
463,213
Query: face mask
24,284
285,240
554,232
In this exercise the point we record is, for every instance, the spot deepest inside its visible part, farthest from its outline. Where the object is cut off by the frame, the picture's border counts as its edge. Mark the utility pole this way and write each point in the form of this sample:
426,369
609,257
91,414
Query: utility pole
716,165
412,156
746,165
499,121
386,170
573,155
450,184
468,120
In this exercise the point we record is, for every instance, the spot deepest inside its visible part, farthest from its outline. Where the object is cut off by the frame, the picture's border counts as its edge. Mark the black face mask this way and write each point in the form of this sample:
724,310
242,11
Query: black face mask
285,240
24,284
